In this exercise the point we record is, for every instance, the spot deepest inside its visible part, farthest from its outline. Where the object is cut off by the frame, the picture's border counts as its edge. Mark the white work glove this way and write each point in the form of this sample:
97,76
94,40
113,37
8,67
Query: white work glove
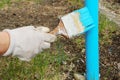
26,42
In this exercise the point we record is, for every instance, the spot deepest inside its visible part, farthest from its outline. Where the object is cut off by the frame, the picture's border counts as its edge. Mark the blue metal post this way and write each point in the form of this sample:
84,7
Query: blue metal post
92,45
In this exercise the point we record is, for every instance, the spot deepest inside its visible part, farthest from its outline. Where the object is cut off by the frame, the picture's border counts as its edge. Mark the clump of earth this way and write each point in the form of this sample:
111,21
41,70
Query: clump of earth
47,13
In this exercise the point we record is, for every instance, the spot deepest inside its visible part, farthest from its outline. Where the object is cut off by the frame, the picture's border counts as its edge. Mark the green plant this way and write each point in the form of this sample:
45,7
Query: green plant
106,29
4,2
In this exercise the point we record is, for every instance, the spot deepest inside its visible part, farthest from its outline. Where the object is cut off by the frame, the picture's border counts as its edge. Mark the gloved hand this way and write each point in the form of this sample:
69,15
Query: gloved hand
26,42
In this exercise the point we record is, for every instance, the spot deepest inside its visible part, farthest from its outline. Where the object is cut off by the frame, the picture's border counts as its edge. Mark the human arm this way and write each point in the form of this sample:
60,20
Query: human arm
26,42
4,42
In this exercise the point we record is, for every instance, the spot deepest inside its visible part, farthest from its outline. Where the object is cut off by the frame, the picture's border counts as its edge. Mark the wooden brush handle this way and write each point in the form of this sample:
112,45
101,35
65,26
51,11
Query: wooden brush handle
55,31
60,30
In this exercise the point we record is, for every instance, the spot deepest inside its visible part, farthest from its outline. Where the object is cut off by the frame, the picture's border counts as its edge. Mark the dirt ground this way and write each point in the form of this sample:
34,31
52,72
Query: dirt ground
113,5
47,14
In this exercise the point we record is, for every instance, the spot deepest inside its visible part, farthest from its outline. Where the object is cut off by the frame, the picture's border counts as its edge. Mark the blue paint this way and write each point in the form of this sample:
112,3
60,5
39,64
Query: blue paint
87,29
85,17
92,45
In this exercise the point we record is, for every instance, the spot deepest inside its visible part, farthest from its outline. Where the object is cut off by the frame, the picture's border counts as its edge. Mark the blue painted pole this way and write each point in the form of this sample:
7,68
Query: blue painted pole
92,45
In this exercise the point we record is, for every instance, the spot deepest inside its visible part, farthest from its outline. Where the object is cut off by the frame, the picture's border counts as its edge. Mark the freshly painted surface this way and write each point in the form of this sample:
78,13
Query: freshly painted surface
92,46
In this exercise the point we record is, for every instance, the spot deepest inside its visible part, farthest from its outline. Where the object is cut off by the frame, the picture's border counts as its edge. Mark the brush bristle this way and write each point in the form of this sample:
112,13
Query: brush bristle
77,22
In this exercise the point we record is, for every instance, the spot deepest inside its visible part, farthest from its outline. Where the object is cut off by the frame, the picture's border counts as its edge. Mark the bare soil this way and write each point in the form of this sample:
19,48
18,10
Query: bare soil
113,5
47,14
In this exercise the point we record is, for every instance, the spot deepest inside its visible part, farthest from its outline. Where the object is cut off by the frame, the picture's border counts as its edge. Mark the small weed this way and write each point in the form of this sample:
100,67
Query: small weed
106,28
105,23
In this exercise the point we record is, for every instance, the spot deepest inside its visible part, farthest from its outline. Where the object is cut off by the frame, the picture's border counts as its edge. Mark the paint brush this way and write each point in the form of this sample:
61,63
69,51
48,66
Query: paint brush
74,23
